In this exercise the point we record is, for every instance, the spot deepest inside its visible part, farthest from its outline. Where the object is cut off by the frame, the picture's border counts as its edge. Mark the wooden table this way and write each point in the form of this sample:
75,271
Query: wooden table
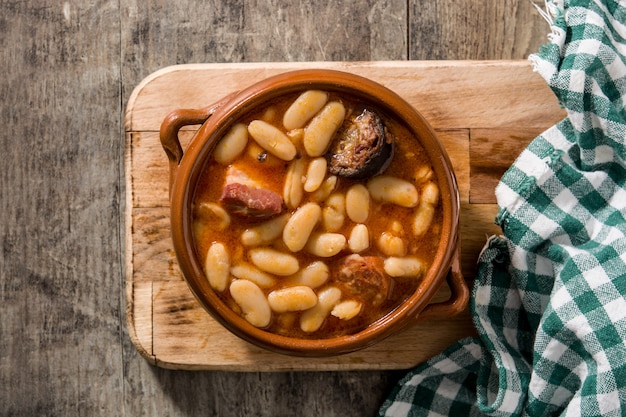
69,69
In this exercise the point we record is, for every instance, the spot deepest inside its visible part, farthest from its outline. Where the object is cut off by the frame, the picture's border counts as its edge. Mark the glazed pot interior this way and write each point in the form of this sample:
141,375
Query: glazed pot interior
199,152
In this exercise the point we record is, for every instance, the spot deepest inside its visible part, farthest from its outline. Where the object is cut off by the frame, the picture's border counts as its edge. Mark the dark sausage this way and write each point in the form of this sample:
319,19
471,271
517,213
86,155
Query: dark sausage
362,147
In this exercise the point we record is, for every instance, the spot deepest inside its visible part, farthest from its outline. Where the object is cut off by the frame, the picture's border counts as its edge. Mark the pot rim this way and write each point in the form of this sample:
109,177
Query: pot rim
184,181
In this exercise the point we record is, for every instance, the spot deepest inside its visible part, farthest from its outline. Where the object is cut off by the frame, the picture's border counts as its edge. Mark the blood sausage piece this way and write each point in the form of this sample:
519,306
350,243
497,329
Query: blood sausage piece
362,147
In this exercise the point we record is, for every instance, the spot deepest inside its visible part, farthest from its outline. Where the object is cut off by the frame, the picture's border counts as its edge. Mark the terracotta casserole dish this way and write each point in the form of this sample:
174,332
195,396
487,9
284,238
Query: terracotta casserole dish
188,173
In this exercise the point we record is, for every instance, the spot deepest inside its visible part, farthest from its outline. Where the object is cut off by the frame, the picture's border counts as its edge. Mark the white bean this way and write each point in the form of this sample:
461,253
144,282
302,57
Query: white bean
347,310
232,144
300,225
396,228
304,108
250,298
333,214
245,270
269,114
359,239
212,212
293,189
266,232
273,261
314,275
315,174
422,219
403,267
217,266
326,244
254,151
426,209
320,130
292,299
358,203
312,319
272,140
391,245
423,173
393,190
430,193
327,187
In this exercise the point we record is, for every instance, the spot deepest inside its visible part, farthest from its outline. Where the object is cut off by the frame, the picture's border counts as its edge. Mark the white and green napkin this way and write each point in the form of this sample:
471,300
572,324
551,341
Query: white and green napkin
549,300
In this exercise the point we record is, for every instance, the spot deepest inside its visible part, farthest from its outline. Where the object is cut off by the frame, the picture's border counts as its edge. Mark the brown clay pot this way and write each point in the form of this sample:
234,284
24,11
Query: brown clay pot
186,166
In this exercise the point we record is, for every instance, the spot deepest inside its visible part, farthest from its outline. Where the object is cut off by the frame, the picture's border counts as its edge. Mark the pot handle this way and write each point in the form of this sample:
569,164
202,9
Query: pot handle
458,299
175,121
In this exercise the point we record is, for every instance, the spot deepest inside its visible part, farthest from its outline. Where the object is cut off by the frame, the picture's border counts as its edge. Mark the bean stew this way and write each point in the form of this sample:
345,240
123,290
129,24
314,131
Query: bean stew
316,216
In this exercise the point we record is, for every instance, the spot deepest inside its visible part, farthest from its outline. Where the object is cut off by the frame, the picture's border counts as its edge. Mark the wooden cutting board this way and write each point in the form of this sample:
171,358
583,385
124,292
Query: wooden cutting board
484,112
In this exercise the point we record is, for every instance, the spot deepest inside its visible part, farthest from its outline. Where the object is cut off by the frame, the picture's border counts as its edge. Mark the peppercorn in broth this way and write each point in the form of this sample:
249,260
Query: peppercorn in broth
318,248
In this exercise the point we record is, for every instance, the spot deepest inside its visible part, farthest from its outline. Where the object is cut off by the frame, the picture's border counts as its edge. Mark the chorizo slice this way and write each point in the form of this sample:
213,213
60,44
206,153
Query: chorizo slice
364,277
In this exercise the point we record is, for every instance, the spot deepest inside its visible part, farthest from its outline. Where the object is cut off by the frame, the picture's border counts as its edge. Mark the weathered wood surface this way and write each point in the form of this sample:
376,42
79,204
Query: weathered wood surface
68,71
167,324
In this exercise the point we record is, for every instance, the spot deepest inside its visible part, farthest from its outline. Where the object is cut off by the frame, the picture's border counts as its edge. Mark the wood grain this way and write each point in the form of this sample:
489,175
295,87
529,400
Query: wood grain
456,30
492,151
186,337
183,335
68,72
450,94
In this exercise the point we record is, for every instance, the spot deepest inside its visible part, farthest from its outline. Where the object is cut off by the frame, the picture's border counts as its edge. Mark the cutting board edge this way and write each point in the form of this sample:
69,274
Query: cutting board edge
339,65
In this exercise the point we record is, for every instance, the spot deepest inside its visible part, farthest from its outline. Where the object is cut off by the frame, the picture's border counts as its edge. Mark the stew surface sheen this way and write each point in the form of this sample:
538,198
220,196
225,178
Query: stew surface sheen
409,163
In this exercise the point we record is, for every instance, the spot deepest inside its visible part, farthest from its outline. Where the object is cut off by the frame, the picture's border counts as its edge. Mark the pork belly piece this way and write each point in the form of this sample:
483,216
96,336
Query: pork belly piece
244,197
251,203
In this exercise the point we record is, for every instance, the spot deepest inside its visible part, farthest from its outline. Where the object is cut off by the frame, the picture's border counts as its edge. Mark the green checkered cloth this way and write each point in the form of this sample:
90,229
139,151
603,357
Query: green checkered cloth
549,300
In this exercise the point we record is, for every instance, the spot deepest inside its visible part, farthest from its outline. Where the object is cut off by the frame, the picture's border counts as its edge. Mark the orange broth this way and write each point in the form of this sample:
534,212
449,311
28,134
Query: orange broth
408,157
